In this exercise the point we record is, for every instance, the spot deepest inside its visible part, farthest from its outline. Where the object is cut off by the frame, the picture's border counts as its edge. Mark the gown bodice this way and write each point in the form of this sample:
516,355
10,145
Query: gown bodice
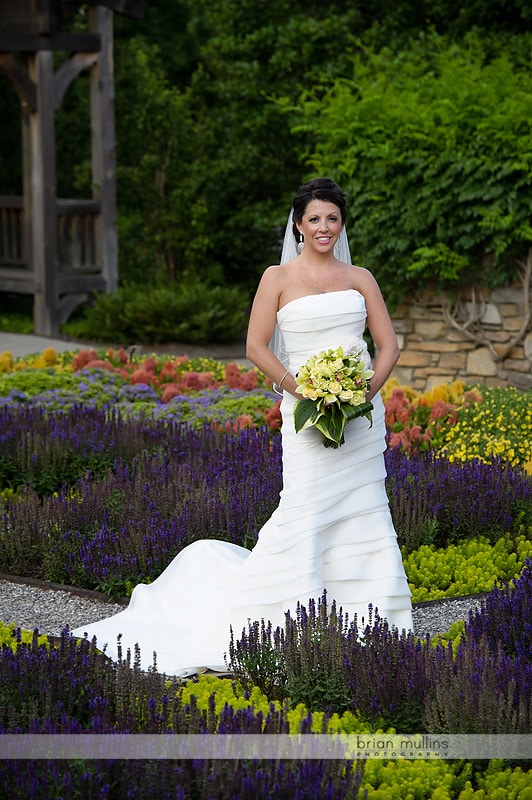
317,322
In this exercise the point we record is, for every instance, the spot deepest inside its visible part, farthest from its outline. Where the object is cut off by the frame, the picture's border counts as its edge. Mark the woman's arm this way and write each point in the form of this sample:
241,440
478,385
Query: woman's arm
381,329
260,330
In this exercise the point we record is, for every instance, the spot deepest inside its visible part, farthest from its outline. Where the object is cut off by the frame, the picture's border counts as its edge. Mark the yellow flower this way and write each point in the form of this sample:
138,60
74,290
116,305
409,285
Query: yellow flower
346,395
310,392
49,357
6,361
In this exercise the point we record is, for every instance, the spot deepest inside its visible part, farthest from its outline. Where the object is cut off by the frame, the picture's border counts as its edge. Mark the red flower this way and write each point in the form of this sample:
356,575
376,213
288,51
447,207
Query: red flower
273,417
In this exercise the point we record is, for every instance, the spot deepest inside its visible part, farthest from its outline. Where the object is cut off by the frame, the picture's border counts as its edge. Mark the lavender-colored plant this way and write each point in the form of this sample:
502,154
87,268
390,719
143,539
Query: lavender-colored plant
478,691
505,620
128,525
435,501
394,679
385,675
257,659
48,450
182,780
314,649
123,520
71,688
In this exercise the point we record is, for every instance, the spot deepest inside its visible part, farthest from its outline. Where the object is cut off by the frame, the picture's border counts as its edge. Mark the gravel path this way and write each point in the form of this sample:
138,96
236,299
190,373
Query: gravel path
51,610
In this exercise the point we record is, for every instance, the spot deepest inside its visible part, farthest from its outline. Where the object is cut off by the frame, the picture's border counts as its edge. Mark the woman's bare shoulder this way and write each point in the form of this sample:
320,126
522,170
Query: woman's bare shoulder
276,274
360,271
363,278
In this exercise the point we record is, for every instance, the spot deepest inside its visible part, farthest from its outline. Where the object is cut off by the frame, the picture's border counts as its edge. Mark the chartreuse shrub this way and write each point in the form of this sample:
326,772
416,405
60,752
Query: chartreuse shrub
470,567
440,780
212,693
11,637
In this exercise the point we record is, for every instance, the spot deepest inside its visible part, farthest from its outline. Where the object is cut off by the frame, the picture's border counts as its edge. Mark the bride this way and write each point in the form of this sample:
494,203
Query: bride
332,529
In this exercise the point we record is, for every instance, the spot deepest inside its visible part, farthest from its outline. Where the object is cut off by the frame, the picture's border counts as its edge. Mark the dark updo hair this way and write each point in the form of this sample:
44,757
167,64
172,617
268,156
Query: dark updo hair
317,189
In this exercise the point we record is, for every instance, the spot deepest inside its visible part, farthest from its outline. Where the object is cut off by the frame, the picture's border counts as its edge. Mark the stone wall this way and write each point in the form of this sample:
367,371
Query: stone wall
434,351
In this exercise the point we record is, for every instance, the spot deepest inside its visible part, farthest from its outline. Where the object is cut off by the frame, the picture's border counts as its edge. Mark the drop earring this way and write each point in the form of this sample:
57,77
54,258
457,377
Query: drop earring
300,244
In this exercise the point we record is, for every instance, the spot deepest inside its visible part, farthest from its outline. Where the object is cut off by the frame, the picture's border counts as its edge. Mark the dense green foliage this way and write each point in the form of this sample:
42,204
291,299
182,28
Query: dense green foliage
433,146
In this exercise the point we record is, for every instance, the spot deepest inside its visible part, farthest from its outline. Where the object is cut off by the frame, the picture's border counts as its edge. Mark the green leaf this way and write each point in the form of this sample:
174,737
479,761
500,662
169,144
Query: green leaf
352,412
332,426
305,414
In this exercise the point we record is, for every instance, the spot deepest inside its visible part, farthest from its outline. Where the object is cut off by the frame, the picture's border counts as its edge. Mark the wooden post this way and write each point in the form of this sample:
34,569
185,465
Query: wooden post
41,177
103,145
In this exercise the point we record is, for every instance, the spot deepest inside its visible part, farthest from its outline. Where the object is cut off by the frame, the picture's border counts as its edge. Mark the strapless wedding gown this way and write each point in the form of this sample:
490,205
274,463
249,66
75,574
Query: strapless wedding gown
332,530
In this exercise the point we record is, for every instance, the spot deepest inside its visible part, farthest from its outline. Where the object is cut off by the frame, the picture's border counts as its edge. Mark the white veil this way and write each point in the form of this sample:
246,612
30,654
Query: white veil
288,253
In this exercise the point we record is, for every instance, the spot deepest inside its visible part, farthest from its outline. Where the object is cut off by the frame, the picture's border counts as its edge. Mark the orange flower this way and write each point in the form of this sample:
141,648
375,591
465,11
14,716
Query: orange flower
170,391
273,417
82,358
141,376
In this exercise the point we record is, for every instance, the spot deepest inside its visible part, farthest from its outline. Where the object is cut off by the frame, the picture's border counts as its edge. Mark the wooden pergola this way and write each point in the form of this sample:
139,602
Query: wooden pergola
59,249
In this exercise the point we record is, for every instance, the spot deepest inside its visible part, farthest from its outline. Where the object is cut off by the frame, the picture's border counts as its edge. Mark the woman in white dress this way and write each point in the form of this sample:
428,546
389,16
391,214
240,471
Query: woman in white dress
332,529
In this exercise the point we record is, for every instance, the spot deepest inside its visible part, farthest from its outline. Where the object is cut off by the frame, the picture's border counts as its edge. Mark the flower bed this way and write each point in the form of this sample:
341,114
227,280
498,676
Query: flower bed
95,490
385,683
79,434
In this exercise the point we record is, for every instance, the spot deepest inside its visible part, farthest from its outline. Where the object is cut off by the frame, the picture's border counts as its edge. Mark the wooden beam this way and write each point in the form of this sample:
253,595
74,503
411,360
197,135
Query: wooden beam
67,205
11,201
40,177
32,43
17,280
72,284
130,8
67,305
68,71
12,273
19,78
103,147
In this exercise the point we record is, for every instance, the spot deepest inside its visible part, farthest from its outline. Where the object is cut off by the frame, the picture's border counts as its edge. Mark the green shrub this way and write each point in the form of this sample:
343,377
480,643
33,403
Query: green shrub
192,312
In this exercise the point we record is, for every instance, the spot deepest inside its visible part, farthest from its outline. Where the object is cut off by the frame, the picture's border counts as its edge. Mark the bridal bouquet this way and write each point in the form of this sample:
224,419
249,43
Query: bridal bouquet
334,387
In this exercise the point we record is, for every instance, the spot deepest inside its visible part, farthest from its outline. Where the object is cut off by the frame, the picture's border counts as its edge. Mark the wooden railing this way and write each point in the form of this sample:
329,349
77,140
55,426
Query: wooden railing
12,232
76,236
77,251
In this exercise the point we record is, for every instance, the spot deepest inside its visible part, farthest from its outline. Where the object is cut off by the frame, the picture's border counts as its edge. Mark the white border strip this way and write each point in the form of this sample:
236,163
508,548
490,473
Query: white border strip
264,746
